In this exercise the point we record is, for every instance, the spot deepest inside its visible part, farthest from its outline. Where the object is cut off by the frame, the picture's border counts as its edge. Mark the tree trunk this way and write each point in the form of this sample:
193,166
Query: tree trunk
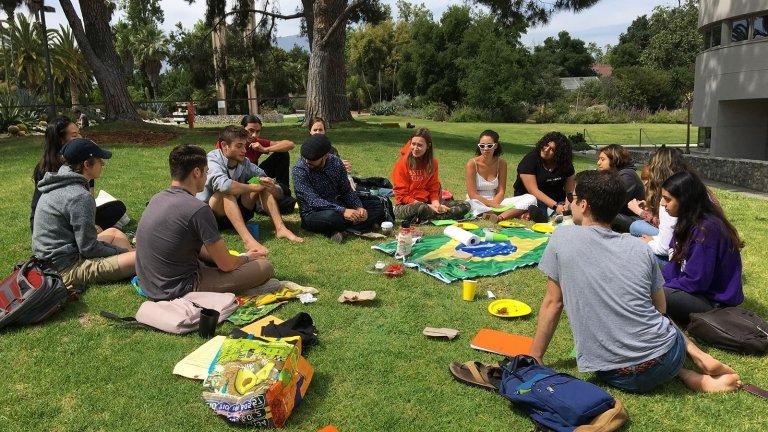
74,93
98,47
326,81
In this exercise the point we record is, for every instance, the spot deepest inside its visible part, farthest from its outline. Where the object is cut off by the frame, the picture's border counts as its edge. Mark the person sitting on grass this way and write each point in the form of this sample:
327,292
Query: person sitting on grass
547,172
417,183
486,179
704,271
237,188
179,248
611,288
64,229
616,158
655,226
277,165
327,203
60,131
317,126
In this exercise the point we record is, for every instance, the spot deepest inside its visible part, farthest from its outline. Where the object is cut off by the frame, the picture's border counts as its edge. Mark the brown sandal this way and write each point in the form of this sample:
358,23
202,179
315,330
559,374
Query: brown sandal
477,374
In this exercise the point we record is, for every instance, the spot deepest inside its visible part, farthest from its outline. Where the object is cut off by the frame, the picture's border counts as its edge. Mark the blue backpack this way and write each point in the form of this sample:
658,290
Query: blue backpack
554,400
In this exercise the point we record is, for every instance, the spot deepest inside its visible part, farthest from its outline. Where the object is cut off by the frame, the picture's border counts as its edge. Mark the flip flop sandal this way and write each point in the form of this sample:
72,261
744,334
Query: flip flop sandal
755,390
476,374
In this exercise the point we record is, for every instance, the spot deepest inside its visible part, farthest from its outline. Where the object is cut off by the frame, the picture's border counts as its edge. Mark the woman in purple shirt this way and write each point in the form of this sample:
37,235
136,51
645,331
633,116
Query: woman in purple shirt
704,272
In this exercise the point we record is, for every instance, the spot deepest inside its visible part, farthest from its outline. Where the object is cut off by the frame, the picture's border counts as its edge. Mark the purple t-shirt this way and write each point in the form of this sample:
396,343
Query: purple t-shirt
712,266
173,228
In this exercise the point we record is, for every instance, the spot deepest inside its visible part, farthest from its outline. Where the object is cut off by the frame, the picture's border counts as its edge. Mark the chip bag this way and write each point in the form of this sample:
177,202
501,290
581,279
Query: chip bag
257,382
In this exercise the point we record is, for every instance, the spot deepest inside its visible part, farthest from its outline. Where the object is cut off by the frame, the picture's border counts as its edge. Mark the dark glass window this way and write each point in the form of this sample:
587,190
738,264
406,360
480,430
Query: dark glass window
707,39
739,30
717,35
705,137
761,27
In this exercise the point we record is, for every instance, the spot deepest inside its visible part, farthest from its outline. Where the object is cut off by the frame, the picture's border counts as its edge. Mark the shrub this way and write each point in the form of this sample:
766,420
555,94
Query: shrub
299,103
468,114
435,111
664,116
383,109
22,127
13,130
578,142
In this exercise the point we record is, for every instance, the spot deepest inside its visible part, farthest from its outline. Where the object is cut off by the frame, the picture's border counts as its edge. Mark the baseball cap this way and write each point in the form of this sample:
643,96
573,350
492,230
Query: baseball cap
81,149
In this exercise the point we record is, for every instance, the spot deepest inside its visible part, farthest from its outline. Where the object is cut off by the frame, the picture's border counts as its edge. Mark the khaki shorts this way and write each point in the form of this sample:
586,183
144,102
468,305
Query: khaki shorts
95,270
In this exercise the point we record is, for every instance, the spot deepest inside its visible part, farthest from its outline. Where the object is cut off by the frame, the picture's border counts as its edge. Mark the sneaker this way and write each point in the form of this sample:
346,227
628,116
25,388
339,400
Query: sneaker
337,237
537,215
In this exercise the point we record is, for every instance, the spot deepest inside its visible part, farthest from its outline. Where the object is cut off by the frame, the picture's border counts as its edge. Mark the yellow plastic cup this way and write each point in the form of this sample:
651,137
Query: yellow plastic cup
468,290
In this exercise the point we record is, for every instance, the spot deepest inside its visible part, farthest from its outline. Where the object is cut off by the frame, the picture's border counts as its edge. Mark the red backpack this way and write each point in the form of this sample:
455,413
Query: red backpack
31,293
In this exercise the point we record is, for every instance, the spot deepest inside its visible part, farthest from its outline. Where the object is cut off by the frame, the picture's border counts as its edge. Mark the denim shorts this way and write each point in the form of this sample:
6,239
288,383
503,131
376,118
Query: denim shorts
667,368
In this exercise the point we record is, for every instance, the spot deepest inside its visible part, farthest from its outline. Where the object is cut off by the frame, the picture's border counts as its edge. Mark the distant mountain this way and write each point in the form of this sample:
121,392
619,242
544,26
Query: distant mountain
287,42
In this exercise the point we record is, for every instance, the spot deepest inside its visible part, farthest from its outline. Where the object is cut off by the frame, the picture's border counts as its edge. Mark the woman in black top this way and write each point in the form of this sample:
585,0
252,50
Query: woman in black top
547,173
59,132
616,158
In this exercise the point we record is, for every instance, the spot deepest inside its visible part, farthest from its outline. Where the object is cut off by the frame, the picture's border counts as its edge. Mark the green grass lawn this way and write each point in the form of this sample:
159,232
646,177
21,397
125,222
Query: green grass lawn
374,371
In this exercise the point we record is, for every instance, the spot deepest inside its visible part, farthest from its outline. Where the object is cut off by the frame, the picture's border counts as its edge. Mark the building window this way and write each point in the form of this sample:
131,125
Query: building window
761,27
739,30
707,39
717,35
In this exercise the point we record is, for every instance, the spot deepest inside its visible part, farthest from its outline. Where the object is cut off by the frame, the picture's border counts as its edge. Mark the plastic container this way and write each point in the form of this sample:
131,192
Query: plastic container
404,240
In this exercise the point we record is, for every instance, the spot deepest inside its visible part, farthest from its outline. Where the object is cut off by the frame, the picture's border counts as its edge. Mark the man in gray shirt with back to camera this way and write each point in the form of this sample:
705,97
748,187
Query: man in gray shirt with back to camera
611,288
177,239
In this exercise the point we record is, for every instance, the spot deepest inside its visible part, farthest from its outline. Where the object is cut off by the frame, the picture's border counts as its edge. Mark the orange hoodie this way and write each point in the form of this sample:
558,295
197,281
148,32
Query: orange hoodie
414,185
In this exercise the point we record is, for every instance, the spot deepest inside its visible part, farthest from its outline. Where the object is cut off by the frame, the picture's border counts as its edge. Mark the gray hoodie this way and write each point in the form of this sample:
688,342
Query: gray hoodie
64,229
219,178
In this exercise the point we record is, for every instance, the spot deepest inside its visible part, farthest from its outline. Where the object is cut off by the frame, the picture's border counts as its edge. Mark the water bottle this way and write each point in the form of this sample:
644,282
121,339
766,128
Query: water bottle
404,240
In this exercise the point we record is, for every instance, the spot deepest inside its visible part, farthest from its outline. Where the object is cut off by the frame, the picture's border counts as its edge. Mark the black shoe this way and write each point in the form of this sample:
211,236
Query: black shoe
537,215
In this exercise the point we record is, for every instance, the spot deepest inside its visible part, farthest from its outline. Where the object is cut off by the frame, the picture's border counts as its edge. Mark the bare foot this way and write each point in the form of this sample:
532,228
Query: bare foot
710,384
288,234
710,365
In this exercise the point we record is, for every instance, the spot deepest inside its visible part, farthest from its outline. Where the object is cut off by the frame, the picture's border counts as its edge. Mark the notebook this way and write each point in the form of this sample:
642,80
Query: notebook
499,342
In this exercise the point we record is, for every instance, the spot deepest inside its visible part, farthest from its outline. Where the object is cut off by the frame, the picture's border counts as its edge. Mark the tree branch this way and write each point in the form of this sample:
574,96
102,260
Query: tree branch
263,12
342,20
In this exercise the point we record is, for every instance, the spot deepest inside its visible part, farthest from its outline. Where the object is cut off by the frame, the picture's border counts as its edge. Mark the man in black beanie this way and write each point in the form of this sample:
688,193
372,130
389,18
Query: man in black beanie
327,203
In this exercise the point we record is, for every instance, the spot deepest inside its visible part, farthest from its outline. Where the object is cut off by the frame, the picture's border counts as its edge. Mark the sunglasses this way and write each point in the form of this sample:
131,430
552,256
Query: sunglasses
483,146
570,196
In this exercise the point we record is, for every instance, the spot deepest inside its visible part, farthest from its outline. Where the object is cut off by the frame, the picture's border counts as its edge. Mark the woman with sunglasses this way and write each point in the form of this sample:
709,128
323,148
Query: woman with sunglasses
486,180
417,183
704,272
547,173
616,158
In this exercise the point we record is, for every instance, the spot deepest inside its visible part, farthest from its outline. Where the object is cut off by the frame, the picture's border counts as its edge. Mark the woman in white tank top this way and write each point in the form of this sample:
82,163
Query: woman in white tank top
486,179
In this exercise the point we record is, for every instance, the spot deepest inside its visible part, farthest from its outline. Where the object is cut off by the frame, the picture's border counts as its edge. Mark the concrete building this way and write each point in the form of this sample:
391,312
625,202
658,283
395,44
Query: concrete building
731,91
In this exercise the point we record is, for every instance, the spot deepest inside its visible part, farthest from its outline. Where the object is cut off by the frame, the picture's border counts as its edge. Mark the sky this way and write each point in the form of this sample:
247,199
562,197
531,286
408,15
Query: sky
601,24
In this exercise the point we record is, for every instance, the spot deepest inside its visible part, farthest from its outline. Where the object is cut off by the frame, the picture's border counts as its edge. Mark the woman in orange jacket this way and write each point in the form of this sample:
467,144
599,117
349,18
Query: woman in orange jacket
417,184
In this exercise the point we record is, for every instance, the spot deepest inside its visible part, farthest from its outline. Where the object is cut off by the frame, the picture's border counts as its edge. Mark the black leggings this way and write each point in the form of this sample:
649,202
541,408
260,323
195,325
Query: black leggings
680,304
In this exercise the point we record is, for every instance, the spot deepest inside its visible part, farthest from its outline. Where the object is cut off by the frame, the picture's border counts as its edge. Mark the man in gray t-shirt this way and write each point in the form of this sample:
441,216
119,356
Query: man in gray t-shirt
611,288
178,245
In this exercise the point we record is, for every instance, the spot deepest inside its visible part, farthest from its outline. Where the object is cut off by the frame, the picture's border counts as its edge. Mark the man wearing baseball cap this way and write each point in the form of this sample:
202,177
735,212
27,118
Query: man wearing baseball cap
64,230
327,203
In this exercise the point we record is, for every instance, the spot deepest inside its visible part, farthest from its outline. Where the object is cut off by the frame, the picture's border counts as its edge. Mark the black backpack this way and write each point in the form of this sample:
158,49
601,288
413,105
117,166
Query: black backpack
731,328
31,293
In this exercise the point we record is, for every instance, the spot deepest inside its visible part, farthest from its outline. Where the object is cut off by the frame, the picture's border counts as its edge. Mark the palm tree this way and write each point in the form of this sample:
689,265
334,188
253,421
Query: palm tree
150,49
69,66
26,37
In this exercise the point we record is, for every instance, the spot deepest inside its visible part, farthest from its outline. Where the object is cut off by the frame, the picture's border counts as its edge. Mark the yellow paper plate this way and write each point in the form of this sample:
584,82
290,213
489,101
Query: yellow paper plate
467,226
543,228
510,224
514,308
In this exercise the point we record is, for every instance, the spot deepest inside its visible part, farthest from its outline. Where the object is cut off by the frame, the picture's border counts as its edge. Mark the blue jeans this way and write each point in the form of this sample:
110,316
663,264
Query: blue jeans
640,228
670,364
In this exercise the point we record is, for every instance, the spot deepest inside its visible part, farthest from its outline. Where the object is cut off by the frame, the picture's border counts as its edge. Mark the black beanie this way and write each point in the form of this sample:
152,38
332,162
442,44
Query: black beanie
315,147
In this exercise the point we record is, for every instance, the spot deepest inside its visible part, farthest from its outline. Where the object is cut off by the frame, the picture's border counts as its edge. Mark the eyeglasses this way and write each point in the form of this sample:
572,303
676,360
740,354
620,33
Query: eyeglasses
570,196
483,146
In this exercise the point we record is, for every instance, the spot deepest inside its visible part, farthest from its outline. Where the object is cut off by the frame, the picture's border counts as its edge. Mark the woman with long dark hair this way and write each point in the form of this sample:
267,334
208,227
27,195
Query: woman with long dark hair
417,183
704,272
616,158
59,132
486,178
547,173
